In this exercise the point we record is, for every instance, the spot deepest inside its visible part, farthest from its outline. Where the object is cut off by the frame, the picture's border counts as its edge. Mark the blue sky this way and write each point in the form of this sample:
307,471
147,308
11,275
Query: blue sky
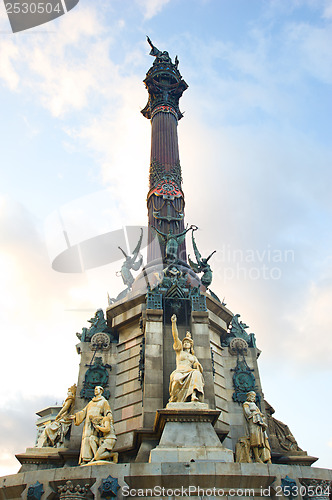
255,148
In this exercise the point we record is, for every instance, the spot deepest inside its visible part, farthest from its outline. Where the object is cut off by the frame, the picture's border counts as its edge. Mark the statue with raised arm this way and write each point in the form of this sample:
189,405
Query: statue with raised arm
202,265
259,443
131,263
172,242
186,381
54,433
158,54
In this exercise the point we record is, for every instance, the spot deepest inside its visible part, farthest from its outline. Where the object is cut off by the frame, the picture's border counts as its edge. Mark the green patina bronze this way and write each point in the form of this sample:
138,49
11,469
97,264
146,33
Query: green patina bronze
35,491
174,289
98,325
238,330
202,265
171,242
164,83
131,263
96,374
243,380
158,173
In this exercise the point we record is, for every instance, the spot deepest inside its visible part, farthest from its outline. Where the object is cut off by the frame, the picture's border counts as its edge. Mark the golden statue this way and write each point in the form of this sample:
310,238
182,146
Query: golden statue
97,407
103,444
257,426
186,381
55,432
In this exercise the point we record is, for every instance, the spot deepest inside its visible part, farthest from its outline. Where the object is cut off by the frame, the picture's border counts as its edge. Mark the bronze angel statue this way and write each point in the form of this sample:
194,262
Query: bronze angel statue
172,242
131,263
202,265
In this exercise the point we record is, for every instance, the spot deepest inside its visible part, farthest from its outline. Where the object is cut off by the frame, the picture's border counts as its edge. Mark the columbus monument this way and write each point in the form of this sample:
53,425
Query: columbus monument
168,401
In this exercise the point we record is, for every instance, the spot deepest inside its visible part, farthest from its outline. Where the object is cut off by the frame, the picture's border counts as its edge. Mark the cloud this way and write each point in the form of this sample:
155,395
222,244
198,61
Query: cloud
152,7
124,169
262,193
327,10
311,319
9,54
18,430
31,291
62,69
310,44
71,70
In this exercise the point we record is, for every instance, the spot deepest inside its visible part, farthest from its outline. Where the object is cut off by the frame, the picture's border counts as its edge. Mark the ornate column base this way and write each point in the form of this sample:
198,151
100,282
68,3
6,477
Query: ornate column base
187,435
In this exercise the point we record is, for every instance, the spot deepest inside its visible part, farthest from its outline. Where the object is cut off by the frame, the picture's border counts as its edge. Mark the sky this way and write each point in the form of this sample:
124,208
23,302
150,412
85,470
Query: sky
256,152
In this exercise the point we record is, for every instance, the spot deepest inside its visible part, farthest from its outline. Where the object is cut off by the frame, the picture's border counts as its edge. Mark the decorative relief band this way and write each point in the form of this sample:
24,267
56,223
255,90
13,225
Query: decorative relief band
164,109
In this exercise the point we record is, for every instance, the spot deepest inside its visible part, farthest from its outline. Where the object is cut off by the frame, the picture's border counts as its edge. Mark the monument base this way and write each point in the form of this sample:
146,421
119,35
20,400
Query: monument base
187,435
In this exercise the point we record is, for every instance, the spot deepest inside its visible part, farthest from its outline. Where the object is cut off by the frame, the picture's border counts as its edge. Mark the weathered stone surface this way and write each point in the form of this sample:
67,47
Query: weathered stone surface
198,474
191,405
188,434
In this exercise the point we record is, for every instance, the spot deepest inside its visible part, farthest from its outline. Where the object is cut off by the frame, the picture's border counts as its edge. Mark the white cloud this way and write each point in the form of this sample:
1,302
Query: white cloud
31,292
8,56
62,69
312,321
121,142
328,10
17,428
311,45
152,7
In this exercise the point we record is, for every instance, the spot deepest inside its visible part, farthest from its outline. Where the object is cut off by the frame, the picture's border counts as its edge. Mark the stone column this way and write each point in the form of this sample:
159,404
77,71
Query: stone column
152,399
153,371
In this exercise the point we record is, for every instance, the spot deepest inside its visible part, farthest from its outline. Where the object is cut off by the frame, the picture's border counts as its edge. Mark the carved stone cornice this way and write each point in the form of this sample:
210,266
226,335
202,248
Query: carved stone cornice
190,415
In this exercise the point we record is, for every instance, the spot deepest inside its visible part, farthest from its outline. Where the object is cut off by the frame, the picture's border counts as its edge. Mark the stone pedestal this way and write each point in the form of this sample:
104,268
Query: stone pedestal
187,435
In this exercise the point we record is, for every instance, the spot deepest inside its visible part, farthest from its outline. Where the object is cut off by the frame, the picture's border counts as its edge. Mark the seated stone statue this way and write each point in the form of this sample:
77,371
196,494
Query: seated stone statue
103,444
281,438
257,426
54,433
186,382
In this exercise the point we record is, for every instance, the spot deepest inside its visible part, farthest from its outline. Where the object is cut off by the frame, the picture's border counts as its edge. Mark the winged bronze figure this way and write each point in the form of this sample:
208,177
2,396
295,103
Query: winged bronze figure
202,265
131,263
172,242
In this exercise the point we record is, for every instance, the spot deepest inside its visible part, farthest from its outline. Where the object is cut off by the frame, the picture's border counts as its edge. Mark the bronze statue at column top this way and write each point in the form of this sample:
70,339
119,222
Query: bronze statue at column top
164,84
165,199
